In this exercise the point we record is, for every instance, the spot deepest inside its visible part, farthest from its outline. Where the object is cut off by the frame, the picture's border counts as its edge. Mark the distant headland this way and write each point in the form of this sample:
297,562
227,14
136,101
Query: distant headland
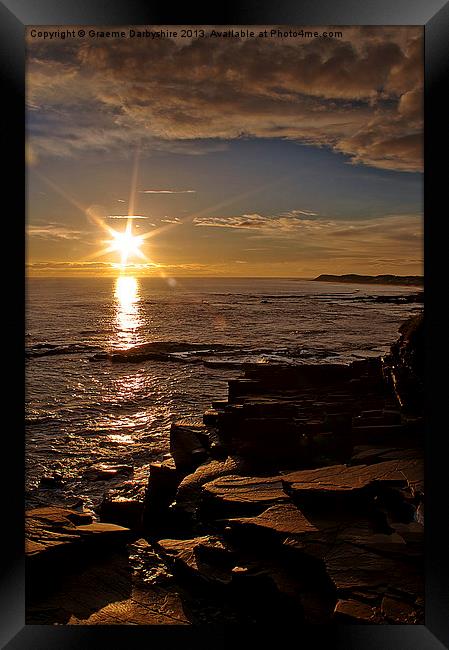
405,280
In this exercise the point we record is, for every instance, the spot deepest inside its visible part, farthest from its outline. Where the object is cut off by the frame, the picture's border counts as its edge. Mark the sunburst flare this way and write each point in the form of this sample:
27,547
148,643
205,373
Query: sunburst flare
125,243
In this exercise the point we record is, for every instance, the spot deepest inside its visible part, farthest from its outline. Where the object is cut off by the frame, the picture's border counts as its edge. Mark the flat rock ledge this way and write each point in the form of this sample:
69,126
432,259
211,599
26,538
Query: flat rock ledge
53,531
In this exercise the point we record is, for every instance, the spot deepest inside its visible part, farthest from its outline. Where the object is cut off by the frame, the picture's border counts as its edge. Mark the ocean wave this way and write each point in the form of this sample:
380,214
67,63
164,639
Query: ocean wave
51,349
212,354
42,418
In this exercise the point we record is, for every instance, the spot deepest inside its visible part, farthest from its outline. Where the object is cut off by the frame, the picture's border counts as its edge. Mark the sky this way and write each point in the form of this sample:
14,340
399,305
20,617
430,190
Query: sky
285,157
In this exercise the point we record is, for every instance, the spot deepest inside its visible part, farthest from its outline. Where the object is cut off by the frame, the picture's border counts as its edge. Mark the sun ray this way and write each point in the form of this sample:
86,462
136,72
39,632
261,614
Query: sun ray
126,244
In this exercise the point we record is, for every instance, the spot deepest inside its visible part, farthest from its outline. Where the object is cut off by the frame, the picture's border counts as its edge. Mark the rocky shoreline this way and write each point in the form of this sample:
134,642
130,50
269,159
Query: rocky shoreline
299,498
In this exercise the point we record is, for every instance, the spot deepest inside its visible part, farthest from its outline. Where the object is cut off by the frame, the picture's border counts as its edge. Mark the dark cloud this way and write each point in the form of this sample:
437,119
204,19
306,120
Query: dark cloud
360,95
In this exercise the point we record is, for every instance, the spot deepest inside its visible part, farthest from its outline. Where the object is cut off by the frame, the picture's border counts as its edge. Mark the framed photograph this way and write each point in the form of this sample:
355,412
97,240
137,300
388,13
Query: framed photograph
230,414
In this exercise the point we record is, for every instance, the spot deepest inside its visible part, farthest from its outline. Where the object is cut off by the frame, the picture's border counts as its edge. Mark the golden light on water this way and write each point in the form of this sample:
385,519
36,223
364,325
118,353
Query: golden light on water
127,297
121,438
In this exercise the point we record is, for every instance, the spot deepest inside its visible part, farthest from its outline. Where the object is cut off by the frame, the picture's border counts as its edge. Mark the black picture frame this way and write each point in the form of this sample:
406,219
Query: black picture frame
15,15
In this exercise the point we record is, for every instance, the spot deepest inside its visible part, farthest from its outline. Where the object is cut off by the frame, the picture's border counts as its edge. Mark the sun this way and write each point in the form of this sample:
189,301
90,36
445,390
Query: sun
125,243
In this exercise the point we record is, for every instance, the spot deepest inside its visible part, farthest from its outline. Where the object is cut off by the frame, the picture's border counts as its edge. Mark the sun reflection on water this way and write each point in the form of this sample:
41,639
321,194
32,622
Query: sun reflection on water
128,318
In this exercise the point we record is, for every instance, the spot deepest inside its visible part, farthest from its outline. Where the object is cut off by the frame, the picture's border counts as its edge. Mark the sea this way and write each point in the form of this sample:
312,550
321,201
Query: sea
82,413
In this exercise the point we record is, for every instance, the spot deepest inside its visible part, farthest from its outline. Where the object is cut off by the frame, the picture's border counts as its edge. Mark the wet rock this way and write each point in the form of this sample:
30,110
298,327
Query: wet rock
419,514
353,568
366,573
364,535
405,365
216,445
220,404
238,388
381,434
58,532
210,417
188,440
162,483
253,439
148,567
367,454
282,519
396,610
285,376
341,480
189,494
52,481
207,557
267,407
379,417
105,471
144,607
107,592
411,532
122,511
241,494
99,356
349,611
123,504
340,423
167,351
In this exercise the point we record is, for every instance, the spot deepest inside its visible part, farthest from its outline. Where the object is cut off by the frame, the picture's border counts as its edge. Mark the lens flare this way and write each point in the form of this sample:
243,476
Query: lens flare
126,244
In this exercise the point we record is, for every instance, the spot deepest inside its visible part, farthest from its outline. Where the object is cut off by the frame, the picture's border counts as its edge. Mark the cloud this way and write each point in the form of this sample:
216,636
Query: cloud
294,213
54,231
397,237
65,268
168,191
280,245
284,223
359,95
125,216
68,265
281,223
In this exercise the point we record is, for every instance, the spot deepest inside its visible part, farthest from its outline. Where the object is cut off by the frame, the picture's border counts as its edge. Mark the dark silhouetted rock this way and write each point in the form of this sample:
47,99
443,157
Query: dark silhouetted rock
253,439
106,471
207,557
337,480
189,494
149,568
59,531
357,613
122,511
144,607
353,278
176,351
162,484
282,519
406,365
51,481
395,610
188,440
350,567
234,494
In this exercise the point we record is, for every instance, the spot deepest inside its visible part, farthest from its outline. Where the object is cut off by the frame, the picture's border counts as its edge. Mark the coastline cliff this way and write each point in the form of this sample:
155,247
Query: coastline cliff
353,278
